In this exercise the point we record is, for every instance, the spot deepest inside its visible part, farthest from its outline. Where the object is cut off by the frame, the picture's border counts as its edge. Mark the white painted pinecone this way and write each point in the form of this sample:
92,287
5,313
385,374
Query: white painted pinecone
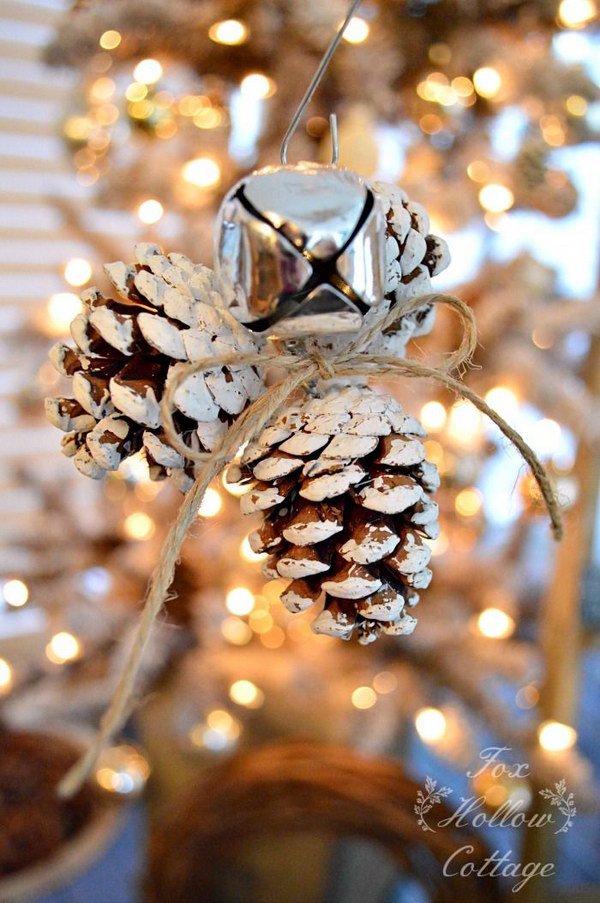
413,257
167,312
345,492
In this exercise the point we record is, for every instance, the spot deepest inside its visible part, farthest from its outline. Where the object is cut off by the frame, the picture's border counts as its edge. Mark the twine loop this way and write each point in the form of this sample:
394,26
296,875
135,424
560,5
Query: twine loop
359,358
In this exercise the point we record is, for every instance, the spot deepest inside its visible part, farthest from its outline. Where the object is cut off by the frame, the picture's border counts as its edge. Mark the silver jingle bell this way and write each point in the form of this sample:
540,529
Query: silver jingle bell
301,250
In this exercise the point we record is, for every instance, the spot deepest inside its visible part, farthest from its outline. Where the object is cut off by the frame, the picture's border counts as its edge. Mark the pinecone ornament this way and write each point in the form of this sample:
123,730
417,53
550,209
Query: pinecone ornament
167,311
413,257
345,495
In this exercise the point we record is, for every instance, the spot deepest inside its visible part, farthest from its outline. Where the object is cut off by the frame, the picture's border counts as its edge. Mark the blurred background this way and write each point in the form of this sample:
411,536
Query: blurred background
126,121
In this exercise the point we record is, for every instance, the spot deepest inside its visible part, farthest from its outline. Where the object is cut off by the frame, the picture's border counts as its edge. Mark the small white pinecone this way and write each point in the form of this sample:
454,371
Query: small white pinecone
413,257
345,495
167,312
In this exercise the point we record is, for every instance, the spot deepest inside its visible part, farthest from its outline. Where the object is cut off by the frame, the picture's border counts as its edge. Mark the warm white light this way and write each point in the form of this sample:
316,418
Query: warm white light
62,308
576,13
77,271
148,71
135,469
496,198
464,424
548,434
63,647
556,737
109,39
244,692
211,503
202,172
433,416
468,502
478,171
236,631
356,31
229,31
136,91
235,489
248,554
430,724
364,697
576,105
495,624
487,81
503,400
15,593
150,212
138,525
6,676
258,86
240,601
221,720
440,544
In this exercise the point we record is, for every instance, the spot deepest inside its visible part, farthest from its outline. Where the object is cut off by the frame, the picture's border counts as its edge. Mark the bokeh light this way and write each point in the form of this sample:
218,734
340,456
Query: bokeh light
430,724
576,13
240,601
6,677
15,593
138,526
62,309
63,648
257,86
495,624
246,693
212,503
496,198
77,271
150,212
230,31
109,40
433,416
363,698
556,737
356,31
203,172
487,81
148,71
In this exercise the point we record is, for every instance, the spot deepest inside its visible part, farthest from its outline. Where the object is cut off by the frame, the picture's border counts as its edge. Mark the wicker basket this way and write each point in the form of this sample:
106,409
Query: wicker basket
75,855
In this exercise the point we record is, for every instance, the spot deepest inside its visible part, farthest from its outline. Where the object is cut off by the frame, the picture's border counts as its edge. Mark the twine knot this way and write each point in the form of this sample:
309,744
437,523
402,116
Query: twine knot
325,368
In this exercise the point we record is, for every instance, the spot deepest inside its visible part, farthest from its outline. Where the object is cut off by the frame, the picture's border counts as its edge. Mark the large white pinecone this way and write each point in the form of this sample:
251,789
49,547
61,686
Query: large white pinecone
345,493
167,312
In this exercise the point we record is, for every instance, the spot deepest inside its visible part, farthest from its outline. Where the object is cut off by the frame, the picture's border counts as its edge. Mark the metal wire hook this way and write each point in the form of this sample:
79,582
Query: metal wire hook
314,84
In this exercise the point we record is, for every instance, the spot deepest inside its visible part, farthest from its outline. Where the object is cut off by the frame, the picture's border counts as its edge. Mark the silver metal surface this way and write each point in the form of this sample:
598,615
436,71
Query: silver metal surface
314,84
316,207
296,240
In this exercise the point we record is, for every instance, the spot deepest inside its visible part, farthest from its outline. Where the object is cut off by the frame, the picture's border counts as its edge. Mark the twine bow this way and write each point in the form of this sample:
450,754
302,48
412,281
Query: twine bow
354,360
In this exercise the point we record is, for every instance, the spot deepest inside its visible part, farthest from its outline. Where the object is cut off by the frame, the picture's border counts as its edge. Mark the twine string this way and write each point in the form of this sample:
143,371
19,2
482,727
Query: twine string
355,360
114,718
